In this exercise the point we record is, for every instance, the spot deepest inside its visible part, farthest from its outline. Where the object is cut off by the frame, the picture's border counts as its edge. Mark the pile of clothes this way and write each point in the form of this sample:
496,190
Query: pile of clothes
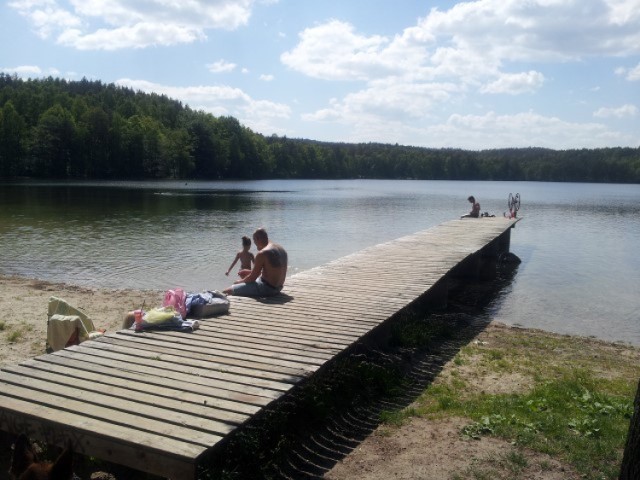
176,307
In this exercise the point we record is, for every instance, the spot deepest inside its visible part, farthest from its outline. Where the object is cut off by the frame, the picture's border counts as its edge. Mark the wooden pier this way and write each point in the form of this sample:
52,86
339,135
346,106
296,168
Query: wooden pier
159,401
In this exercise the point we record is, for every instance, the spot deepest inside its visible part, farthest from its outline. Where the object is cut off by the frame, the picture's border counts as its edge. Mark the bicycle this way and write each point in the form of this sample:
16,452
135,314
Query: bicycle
513,204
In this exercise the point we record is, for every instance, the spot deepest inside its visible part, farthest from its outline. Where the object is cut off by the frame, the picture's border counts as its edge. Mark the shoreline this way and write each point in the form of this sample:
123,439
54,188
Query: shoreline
23,326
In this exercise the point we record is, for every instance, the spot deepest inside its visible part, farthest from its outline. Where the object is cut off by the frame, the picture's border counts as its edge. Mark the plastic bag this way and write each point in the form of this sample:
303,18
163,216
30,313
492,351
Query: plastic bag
176,298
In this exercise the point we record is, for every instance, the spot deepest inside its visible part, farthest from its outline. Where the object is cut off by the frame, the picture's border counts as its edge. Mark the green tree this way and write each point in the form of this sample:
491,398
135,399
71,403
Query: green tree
53,143
177,149
12,140
94,131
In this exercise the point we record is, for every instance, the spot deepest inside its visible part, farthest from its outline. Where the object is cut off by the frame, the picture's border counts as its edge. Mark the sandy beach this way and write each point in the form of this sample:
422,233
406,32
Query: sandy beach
23,324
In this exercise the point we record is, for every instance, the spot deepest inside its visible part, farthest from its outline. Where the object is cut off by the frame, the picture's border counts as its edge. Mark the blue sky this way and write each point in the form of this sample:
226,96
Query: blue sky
481,74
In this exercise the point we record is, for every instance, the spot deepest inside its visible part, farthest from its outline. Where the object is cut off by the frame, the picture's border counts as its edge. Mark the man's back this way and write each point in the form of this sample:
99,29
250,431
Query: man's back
274,269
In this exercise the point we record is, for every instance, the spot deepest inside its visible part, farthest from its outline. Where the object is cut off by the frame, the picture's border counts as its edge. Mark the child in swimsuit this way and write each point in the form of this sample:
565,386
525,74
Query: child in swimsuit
246,259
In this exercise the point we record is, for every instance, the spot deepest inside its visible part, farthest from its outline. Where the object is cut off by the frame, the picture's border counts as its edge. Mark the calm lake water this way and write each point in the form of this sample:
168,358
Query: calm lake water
580,270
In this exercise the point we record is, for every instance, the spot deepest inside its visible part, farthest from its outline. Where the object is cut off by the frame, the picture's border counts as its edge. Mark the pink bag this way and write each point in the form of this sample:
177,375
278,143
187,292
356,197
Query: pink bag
176,298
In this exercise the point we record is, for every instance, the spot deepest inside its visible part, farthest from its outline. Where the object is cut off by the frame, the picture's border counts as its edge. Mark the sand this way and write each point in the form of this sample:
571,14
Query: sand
23,303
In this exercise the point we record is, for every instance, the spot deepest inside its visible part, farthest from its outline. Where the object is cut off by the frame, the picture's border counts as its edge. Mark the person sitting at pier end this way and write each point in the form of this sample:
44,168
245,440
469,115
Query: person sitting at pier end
475,208
268,273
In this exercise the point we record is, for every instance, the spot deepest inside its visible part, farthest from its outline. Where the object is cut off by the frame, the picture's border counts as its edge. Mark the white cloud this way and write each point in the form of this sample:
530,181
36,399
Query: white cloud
33,71
522,130
547,30
448,55
627,110
515,83
486,131
266,78
218,100
634,74
221,66
46,16
334,51
472,40
388,99
140,35
116,24
631,74
23,70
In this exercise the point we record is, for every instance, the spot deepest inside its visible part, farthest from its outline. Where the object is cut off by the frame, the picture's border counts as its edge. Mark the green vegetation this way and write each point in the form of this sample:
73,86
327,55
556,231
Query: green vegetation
14,336
577,408
58,129
15,332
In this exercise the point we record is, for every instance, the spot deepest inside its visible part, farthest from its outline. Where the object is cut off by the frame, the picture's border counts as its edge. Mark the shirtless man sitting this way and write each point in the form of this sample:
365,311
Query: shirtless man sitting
475,208
269,270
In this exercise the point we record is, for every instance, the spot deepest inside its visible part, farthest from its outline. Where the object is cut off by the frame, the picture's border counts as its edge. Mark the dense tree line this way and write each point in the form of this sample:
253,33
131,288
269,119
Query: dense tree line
53,128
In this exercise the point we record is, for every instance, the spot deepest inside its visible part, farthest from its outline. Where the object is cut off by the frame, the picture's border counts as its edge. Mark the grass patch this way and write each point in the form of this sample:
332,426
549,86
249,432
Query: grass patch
397,418
14,336
3,325
576,411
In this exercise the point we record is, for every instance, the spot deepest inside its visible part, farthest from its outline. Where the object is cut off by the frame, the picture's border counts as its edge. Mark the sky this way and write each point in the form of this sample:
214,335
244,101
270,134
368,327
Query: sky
476,75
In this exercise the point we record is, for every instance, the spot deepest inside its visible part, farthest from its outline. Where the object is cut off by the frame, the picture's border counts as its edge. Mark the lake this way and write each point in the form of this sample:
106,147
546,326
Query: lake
580,270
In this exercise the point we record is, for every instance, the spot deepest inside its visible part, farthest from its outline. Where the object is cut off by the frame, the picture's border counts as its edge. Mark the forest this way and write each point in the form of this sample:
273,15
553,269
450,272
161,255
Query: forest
58,129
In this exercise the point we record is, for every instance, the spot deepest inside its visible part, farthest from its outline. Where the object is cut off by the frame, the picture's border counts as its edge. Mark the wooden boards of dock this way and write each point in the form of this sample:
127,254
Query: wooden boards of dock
159,401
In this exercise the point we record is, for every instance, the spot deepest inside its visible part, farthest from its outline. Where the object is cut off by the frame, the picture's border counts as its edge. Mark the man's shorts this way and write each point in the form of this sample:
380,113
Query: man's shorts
259,288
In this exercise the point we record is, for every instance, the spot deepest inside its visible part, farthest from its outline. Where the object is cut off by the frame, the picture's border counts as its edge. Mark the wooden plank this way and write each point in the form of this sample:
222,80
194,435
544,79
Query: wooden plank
165,365
319,321
125,392
235,391
202,396
335,315
137,449
255,335
148,415
87,409
280,370
260,342
89,366
204,345
322,310
283,329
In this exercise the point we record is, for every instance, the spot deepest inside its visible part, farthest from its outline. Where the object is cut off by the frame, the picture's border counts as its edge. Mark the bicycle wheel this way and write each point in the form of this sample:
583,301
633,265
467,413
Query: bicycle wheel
510,202
517,201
